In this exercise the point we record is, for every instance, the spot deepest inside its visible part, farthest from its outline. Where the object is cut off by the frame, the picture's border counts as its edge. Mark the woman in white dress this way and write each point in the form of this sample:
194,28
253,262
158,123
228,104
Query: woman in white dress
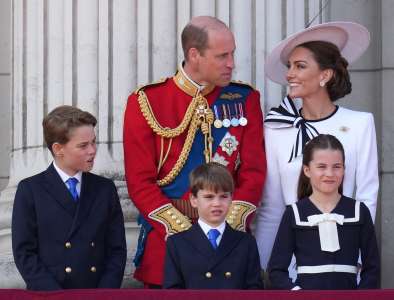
313,63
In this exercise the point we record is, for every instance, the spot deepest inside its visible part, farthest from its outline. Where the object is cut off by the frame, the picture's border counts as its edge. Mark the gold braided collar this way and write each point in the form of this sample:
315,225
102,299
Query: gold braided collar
184,83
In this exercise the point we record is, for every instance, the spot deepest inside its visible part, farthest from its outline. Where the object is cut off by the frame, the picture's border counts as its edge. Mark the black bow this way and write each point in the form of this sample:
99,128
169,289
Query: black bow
287,115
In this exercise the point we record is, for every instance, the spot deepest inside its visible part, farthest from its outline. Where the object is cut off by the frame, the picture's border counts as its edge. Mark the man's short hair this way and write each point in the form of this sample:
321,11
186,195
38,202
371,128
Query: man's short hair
59,123
211,176
194,37
195,34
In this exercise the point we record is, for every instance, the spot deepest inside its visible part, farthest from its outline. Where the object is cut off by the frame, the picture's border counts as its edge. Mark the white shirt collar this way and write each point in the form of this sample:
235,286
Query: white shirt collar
64,176
199,87
205,227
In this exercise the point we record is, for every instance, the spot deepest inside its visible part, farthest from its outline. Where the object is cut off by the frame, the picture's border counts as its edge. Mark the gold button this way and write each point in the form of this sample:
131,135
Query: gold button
183,225
169,212
93,269
68,270
173,217
227,274
178,221
68,245
208,275
237,207
92,244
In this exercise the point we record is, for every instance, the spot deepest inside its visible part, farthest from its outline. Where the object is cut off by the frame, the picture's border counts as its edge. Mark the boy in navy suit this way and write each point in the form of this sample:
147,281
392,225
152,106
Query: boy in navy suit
212,255
67,224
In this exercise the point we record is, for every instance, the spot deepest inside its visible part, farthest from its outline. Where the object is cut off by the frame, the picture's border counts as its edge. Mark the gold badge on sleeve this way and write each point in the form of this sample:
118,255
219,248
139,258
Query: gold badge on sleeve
172,219
238,213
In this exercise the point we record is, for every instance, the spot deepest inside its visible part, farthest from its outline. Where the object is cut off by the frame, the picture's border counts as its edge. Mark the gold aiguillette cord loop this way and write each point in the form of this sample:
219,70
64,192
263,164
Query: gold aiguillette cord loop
147,112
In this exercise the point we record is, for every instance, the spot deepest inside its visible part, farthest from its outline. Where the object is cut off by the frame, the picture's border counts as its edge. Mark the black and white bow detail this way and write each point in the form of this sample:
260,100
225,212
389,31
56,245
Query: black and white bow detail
287,115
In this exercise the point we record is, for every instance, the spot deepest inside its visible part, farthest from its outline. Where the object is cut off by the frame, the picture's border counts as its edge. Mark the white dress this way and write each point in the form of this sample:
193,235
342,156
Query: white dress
355,130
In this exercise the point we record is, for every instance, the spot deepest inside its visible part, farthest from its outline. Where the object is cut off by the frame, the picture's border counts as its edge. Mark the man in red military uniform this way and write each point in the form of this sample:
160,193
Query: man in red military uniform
174,125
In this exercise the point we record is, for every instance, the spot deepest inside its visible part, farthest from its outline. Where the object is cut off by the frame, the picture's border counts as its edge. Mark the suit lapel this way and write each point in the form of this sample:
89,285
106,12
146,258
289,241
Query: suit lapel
86,199
198,240
229,240
54,185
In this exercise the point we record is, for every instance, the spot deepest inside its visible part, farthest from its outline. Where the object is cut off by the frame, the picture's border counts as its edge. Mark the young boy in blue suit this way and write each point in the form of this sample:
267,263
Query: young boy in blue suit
212,255
67,223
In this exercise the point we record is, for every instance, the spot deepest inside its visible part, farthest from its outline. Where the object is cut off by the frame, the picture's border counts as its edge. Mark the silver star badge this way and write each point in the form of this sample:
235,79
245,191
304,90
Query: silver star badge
229,144
220,160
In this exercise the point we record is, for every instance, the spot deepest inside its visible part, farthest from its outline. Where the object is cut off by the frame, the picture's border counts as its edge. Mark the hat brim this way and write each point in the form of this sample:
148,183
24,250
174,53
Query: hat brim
352,39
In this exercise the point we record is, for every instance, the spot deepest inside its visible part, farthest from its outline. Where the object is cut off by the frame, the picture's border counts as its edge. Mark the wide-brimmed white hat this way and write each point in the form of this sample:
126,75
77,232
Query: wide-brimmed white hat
352,39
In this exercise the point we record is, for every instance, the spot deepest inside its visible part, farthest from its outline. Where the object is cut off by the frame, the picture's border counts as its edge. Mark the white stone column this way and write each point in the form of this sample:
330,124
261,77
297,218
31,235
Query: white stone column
93,54
79,53
387,127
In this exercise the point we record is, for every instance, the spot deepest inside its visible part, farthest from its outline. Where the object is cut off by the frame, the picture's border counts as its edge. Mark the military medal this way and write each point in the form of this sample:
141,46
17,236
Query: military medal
242,120
226,121
234,121
217,123
229,144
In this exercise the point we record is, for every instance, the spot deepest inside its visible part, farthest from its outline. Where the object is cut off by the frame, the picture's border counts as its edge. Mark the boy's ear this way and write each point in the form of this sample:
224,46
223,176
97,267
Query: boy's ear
57,149
193,201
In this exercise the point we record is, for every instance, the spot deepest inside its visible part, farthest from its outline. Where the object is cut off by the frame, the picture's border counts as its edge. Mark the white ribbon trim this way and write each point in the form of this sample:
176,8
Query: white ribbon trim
345,220
326,269
327,223
356,214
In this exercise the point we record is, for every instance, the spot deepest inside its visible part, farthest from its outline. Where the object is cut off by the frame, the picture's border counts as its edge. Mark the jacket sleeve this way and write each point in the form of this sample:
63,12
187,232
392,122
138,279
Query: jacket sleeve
141,169
370,271
254,275
116,250
272,206
173,278
367,176
282,253
251,174
25,246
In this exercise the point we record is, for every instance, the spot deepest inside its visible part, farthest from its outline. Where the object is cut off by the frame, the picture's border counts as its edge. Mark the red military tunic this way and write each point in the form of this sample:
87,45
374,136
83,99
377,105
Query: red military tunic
144,150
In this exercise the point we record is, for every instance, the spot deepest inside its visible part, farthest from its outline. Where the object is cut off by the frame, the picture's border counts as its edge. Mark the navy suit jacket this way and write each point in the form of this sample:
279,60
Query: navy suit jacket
60,244
192,263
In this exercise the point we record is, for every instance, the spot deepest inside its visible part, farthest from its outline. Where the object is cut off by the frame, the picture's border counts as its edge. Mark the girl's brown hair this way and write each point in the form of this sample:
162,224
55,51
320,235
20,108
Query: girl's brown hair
321,142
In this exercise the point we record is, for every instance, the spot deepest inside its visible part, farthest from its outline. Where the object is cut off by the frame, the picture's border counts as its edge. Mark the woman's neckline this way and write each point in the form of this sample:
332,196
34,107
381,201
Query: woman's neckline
321,119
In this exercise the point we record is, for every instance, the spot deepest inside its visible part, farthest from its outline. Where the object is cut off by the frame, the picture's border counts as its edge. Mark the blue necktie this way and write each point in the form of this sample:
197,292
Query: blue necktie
72,187
212,236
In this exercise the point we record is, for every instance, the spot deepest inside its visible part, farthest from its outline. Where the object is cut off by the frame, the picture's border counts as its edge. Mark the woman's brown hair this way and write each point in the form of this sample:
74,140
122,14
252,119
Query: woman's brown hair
328,56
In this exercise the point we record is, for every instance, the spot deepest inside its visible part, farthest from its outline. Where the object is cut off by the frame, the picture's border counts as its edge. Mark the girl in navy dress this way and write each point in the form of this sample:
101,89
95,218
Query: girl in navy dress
325,230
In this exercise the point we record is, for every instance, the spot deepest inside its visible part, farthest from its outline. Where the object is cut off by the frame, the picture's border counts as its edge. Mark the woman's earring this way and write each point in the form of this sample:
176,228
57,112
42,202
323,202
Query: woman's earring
322,83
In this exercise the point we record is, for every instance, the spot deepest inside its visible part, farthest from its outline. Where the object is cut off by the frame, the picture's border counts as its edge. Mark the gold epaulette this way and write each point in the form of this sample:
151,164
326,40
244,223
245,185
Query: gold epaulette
243,83
144,86
172,219
238,213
